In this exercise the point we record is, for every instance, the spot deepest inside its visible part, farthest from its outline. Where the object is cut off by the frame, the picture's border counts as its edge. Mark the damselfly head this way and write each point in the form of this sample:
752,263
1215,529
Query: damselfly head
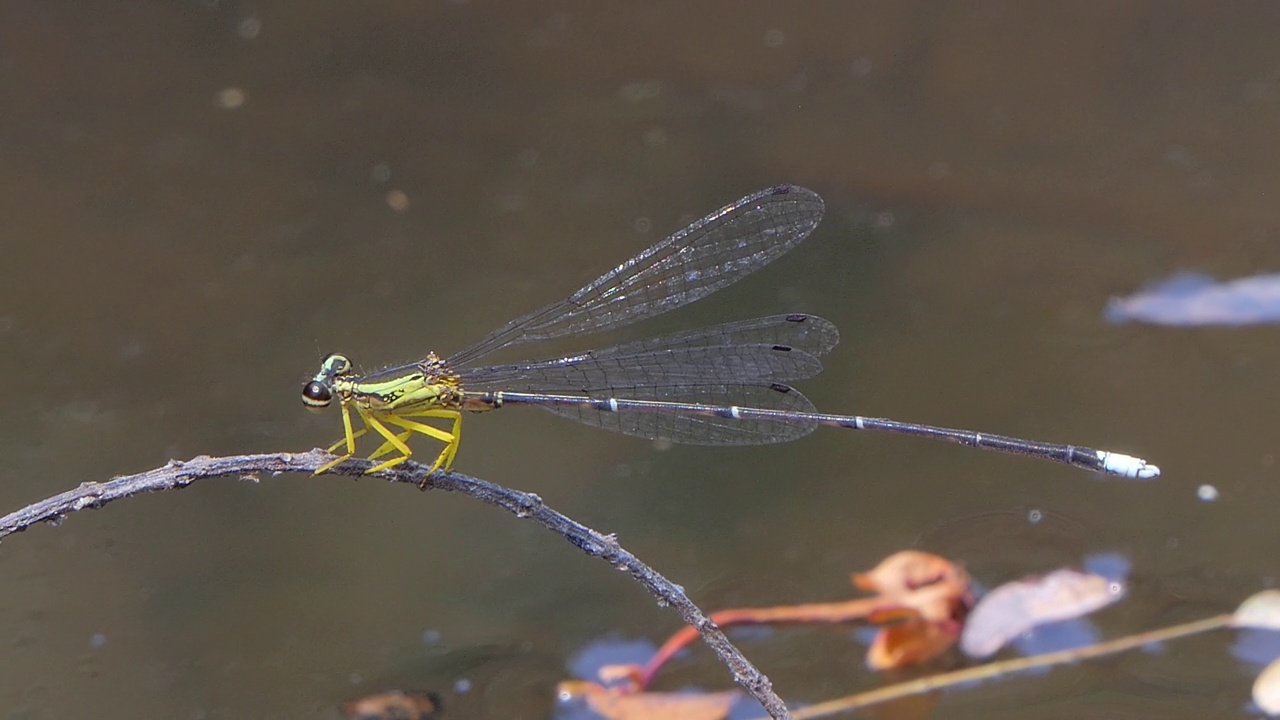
317,394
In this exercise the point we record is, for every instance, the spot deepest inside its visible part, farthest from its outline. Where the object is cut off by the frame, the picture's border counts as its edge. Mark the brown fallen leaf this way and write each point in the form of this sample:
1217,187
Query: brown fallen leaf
904,571
923,595
910,643
623,704
1016,607
920,581
393,705
622,676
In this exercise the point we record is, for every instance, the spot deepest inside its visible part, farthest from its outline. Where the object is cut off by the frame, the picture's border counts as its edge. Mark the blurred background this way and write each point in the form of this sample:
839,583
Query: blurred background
202,198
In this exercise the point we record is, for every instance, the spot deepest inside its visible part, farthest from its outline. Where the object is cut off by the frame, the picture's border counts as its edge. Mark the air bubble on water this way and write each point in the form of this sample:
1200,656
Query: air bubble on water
249,28
230,98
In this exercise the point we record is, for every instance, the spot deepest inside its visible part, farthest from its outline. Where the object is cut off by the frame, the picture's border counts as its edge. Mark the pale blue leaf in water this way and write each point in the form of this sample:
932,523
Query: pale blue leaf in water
1014,608
1191,299
586,662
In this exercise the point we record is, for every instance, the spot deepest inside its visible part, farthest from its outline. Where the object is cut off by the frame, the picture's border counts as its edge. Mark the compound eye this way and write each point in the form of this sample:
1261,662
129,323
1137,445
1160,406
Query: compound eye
316,395
336,364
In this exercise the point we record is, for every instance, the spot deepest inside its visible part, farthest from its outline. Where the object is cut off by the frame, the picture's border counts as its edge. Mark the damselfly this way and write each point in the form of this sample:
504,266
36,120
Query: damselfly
722,385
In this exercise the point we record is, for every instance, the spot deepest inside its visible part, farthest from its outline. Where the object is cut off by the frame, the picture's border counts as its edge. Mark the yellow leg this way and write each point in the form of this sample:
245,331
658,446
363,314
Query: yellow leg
348,442
348,439
392,439
398,441
449,439
387,447
452,449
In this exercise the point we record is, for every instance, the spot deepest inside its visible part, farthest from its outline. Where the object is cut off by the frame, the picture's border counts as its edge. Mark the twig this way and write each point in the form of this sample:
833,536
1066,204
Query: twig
179,474
991,670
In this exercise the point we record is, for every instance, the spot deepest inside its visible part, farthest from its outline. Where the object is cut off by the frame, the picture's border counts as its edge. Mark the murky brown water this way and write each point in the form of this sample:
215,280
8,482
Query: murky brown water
201,198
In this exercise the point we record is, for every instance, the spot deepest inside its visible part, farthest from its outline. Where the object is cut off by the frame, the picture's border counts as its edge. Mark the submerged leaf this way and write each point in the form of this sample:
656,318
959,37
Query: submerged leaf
1016,607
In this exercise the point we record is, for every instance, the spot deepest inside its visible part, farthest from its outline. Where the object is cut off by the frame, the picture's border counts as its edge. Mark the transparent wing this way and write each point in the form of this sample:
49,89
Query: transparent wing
770,349
692,263
799,331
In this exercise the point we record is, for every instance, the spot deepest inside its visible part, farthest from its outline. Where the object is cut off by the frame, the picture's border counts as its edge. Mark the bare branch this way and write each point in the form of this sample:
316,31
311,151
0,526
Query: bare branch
179,474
